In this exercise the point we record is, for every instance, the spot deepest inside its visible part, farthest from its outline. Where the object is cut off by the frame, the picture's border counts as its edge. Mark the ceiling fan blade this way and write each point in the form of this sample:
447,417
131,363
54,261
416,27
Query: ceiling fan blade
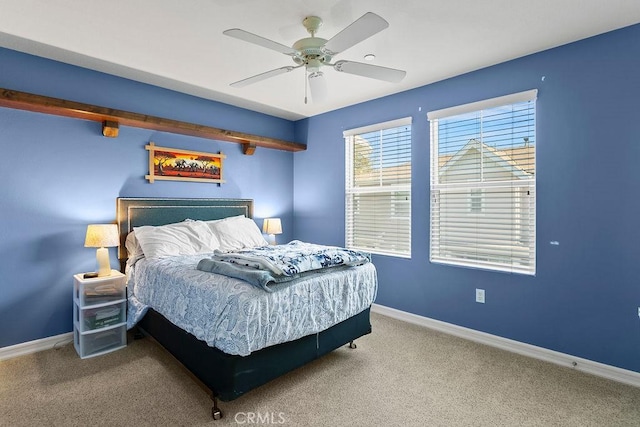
367,70
260,41
361,29
318,87
263,76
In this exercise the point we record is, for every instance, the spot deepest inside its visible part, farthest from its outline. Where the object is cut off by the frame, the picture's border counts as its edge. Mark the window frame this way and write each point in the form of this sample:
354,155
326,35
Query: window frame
443,253
394,190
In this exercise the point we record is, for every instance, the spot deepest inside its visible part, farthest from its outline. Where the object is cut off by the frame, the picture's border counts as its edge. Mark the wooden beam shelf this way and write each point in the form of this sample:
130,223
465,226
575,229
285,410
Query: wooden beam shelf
112,118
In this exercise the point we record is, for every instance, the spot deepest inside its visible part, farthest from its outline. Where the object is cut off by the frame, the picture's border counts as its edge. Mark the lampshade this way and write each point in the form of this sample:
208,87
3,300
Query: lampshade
101,236
272,226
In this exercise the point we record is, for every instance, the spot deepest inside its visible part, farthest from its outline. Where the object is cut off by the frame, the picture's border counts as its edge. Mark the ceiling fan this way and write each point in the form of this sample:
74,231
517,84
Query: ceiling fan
313,53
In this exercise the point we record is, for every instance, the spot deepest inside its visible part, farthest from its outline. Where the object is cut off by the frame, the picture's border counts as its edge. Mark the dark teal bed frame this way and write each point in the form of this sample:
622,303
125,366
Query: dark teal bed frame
226,376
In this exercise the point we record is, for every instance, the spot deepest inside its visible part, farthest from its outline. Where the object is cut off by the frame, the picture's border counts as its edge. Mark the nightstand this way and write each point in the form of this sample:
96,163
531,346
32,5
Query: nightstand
99,314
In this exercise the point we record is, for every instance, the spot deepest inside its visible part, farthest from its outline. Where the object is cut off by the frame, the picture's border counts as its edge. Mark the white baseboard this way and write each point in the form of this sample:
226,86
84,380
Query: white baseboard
595,368
35,346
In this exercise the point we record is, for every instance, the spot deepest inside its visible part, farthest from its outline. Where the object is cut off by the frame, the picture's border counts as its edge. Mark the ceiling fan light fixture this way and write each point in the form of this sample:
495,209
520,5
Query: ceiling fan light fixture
318,87
313,65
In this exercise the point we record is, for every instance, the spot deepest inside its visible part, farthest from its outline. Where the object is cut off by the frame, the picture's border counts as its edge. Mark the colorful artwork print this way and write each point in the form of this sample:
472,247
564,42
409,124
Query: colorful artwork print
186,165
183,165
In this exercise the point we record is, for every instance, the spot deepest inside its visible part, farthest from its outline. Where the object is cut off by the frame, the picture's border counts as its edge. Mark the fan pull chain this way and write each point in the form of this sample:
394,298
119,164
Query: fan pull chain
305,86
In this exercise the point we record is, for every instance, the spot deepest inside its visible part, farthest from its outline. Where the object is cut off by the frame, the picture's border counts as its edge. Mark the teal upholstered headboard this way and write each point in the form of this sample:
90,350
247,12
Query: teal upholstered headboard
135,212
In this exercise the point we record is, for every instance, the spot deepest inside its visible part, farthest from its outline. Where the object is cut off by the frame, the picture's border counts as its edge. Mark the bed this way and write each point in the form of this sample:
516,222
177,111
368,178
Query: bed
229,374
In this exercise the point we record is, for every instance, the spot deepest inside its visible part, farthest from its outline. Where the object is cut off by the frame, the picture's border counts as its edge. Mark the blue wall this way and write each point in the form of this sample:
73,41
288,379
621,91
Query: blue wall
59,174
584,298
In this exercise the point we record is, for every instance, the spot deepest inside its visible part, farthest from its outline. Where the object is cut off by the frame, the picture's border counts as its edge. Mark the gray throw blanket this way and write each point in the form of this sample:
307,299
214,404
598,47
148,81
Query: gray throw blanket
261,278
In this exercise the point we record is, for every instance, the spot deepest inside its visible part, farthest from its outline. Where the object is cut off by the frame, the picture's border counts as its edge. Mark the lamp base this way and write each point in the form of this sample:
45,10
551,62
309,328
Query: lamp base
104,265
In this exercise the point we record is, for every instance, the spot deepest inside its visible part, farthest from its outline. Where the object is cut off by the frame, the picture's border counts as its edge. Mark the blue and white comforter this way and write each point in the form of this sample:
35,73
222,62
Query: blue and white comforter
239,318
273,267
294,258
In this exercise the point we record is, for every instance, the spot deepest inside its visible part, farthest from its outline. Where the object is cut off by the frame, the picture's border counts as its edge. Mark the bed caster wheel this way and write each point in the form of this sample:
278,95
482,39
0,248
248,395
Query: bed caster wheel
352,345
216,413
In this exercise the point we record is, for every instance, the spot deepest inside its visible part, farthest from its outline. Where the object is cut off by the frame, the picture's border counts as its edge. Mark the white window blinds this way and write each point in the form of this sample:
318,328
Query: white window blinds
378,188
483,211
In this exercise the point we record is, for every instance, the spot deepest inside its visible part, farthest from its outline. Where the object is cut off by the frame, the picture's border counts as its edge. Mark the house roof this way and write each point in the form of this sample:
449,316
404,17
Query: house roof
520,159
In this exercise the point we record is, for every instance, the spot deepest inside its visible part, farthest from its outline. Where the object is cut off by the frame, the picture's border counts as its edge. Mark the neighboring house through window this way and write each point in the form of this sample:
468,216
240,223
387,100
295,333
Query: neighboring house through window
483,180
378,188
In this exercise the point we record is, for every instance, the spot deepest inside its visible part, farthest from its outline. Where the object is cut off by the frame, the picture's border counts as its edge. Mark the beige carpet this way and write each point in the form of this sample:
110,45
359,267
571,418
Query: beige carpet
401,375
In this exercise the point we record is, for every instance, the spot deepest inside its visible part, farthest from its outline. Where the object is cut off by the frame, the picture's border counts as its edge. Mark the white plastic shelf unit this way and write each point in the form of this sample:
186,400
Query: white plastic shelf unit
99,314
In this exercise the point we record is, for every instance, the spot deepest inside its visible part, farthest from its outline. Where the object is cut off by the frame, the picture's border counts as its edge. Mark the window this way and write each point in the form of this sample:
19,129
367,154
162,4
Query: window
475,200
483,181
378,188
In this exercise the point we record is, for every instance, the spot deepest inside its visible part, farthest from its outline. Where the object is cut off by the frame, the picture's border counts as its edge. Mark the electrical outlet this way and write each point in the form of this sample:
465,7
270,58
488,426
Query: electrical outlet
638,311
480,297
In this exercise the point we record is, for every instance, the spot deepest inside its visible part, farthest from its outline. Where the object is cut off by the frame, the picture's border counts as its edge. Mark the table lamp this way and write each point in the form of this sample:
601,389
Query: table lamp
272,226
102,236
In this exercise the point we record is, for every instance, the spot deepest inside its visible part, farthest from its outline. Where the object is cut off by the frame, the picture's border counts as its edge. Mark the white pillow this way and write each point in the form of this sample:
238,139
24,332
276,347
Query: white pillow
237,233
183,238
134,251
211,222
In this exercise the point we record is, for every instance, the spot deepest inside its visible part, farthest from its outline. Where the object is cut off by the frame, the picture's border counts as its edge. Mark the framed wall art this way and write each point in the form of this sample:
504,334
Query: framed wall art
183,165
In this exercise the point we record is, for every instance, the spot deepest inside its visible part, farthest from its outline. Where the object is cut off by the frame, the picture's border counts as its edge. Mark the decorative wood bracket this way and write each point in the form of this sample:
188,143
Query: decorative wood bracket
110,129
112,118
248,149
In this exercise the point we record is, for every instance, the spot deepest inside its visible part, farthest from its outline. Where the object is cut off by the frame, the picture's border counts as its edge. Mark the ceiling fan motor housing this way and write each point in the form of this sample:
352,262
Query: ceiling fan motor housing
310,53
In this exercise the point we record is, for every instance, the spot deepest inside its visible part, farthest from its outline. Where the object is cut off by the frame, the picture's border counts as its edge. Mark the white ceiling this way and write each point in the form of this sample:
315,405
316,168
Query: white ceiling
179,45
